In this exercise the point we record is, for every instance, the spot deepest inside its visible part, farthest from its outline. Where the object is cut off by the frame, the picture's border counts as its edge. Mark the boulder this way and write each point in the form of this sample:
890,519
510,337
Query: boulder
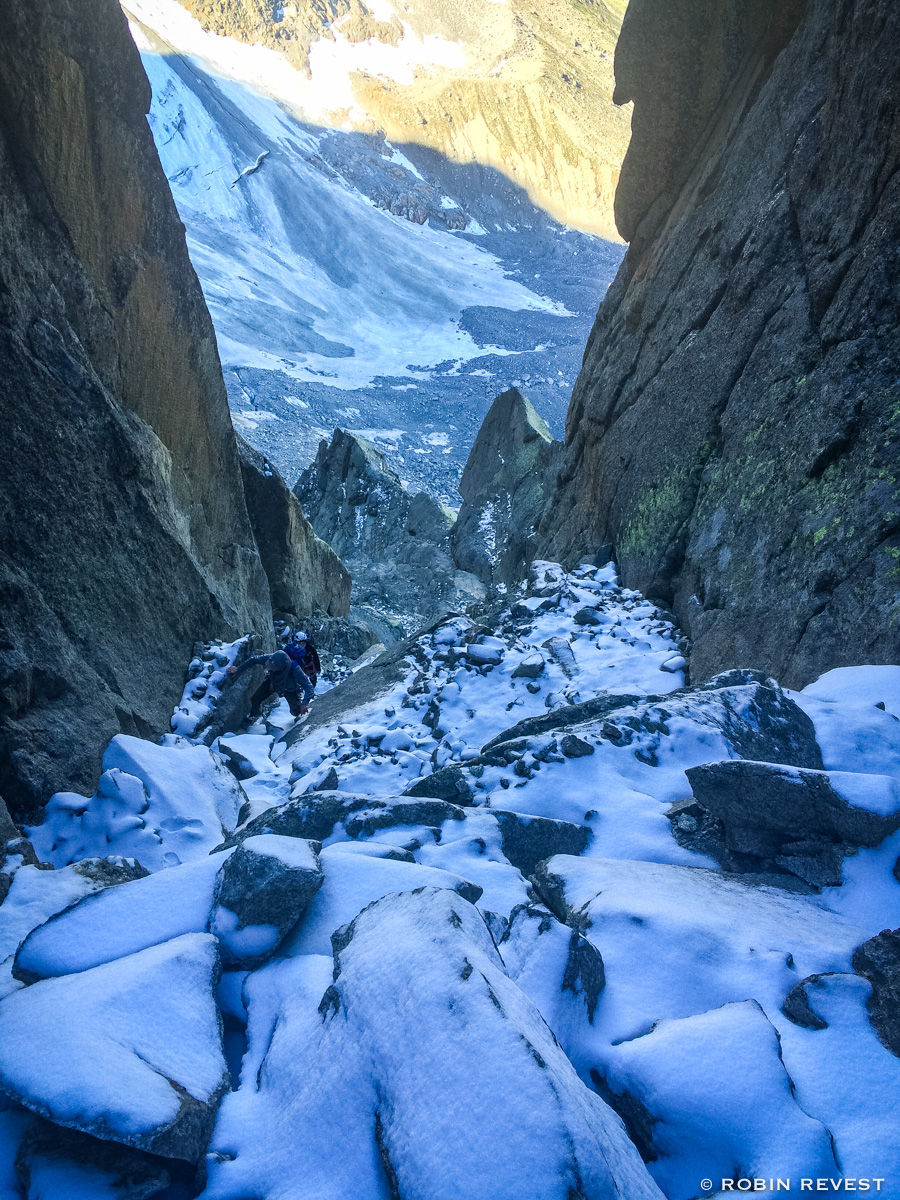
531,667
560,650
119,921
797,1007
590,616
448,1081
389,813
527,840
573,746
311,816
354,881
449,783
757,718
786,818
533,946
263,889
211,704
162,804
696,934
484,655
138,1058
716,1089
878,961
36,894
15,850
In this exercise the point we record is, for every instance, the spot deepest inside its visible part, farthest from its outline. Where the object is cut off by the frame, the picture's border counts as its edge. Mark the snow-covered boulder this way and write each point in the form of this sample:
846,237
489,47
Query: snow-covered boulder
316,815
530,667
845,1077
548,960
248,897
677,941
447,1080
718,1101
120,921
129,1052
36,895
162,804
354,881
485,653
388,813
263,890
312,816
753,716
797,820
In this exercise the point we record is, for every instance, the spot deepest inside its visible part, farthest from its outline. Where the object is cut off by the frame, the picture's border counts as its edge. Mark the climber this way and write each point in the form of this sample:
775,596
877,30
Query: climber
284,677
301,650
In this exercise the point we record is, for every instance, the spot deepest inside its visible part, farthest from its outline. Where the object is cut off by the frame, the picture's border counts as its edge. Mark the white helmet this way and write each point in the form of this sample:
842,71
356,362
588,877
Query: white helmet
300,636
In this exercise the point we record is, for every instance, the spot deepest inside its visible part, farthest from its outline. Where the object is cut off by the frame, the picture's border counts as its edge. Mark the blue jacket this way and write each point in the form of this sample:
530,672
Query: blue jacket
305,657
291,679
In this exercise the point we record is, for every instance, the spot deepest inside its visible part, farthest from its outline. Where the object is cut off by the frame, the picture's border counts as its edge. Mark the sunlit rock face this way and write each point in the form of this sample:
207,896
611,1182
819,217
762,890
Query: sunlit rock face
733,430
521,87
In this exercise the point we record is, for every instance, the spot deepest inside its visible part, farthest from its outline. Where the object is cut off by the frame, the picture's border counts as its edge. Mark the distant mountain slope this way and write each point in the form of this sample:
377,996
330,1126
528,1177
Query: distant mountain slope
351,282
522,86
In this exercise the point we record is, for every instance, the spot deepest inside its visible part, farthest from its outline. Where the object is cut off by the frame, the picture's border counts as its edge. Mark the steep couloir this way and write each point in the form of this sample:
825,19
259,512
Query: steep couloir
734,430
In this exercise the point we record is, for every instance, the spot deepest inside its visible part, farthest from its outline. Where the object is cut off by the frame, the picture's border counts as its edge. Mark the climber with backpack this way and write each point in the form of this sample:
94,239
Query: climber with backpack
301,651
284,677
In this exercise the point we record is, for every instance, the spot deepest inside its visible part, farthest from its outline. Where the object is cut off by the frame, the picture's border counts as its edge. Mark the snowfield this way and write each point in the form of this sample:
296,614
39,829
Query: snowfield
467,930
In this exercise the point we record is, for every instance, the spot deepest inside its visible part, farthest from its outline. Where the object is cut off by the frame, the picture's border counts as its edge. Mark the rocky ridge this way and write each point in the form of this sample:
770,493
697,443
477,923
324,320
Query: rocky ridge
410,556
396,545
503,491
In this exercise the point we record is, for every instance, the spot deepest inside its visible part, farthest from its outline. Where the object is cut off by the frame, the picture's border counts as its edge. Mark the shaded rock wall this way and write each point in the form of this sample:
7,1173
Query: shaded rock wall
503,491
124,535
734,429
306,577
396,545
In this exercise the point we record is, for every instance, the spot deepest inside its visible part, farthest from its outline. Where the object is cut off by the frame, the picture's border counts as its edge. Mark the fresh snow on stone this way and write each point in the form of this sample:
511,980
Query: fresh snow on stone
122,1050
123,920
475,1079
474,941
163,805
